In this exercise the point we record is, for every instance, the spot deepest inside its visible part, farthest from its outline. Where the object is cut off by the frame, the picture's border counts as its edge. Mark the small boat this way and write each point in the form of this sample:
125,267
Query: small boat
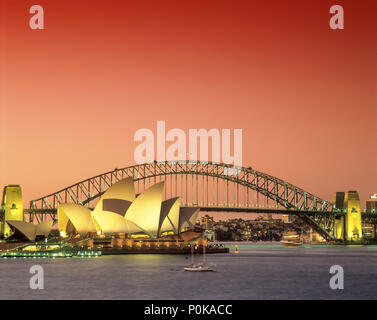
199,266
291,239
291,243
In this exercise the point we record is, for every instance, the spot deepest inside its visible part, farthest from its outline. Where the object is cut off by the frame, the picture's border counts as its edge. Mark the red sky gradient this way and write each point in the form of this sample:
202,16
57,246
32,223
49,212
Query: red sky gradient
73,95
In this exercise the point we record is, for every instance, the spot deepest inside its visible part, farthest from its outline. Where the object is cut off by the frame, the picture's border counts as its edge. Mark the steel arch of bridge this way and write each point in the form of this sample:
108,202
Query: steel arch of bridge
284,196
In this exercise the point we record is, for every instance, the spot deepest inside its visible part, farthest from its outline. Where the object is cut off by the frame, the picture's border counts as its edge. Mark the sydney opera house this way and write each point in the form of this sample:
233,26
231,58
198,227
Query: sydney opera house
121,219
121,211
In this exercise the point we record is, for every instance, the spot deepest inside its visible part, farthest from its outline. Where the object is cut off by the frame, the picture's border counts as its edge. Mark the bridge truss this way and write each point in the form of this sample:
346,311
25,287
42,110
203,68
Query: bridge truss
210,186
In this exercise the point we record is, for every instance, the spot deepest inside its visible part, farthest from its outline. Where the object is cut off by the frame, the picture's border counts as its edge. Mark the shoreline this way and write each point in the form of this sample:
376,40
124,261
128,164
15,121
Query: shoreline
120,251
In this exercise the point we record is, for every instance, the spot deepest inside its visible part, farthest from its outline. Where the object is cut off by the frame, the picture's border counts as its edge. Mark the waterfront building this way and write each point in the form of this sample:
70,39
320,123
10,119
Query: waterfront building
371,203
267,217
210,235
287,218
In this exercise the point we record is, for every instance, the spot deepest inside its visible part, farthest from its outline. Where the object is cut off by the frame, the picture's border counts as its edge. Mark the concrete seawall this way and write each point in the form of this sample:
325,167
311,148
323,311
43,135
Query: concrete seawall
115,251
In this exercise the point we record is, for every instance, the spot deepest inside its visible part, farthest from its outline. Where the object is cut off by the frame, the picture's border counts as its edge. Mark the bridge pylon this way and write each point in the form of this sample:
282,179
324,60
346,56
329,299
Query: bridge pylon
348,226
353,215
11,208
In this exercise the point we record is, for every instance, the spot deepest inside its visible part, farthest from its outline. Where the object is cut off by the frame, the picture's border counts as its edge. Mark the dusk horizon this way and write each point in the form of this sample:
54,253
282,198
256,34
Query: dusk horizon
188,157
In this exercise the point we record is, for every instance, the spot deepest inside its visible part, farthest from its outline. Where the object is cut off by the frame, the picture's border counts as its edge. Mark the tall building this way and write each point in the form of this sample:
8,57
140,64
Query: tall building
371,203
206,222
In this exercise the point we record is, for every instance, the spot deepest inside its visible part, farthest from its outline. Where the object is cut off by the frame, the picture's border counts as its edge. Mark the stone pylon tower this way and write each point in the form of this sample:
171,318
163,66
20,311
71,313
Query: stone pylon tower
353,215
349,226
12,208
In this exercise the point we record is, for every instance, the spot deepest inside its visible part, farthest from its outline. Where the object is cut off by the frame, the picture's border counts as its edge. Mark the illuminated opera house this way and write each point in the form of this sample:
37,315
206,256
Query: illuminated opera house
123,213
121,219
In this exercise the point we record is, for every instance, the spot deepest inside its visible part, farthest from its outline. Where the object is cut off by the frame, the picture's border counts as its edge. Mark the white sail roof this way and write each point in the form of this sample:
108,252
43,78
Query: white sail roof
78,215
30,230
145,209
110,222
120,192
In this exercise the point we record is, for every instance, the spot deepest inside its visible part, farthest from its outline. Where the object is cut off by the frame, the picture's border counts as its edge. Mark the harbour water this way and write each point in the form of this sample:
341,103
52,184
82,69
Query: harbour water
258,271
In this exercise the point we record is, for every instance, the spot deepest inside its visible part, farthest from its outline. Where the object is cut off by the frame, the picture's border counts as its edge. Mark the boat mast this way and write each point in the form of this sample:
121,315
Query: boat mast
204,254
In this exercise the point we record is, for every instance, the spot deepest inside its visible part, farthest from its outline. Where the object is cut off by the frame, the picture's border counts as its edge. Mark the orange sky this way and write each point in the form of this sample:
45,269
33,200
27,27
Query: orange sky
72,95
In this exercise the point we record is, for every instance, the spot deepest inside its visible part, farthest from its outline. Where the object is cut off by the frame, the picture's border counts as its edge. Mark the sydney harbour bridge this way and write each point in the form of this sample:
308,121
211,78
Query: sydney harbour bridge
210,186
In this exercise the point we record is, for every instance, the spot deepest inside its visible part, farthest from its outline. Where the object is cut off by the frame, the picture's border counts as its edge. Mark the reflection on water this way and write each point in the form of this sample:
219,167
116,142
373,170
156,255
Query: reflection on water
258,271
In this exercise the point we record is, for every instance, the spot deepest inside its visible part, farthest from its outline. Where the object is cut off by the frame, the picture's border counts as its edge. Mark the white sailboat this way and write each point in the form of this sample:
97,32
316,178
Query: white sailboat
199,266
